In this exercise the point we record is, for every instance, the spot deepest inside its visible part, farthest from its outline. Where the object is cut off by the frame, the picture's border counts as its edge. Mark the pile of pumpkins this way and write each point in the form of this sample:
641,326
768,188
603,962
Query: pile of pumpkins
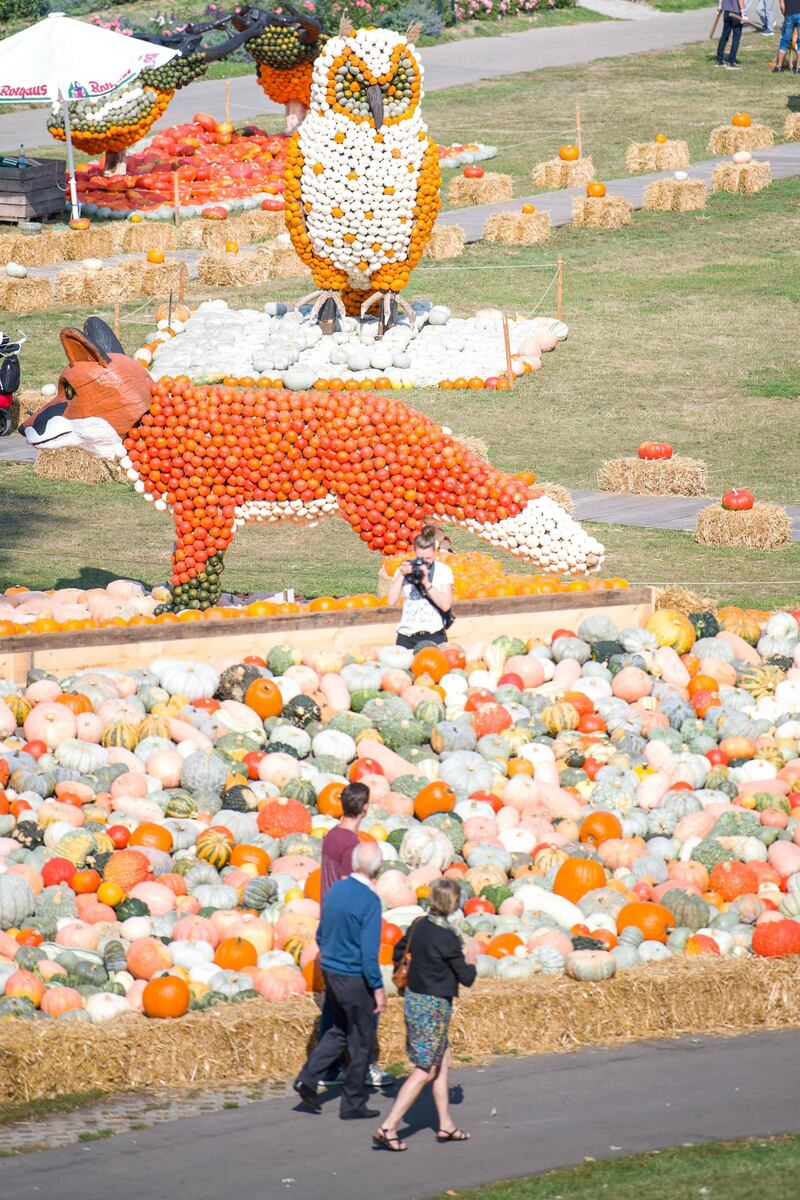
613,797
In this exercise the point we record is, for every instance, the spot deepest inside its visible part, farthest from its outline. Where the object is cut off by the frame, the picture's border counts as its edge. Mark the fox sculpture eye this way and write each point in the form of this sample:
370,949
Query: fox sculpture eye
220,457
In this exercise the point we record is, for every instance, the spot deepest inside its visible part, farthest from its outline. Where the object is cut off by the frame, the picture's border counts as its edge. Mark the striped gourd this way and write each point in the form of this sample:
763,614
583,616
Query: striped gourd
214,848
121,733
558,717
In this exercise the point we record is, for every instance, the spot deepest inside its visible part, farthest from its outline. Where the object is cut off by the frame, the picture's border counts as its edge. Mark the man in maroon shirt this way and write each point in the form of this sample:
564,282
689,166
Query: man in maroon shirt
337,857
340,841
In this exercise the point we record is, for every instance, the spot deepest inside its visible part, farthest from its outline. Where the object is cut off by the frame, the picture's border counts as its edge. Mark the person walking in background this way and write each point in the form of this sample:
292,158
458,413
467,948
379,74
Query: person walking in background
338,847
349,935
765,11
732,24
437,968
791,27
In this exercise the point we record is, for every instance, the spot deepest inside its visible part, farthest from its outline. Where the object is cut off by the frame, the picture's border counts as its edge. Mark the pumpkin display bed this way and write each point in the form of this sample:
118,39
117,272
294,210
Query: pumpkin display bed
605,801
563,172
764,526
635,476
662,154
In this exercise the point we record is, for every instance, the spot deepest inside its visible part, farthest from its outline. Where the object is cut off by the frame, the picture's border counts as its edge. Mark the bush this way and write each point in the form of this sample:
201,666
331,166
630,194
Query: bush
23,10
495,10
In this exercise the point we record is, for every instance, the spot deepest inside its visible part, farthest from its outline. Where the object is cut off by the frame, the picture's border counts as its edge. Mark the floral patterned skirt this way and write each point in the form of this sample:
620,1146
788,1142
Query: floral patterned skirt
427,1021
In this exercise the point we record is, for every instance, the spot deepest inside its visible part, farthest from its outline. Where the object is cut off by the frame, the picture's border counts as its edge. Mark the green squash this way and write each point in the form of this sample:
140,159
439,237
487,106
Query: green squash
302,790
131,907
300,711
705,624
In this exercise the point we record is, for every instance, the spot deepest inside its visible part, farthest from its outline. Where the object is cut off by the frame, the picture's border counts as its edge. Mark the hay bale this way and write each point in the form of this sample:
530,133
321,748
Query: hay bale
492,188
675,195
558,493
763,527
219,269
263,1039
76,244
601,212
284,262
791,127
31,294
158,279
682,600
148,235
446,241
657,156
677,476
24,404
33,251
727,139
261,225
746,178
78,466
190,234
555,173
79,287
517,229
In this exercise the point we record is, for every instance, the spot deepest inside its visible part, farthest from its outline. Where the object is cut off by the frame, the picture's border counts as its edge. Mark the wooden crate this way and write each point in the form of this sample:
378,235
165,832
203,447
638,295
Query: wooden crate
32,192
215,640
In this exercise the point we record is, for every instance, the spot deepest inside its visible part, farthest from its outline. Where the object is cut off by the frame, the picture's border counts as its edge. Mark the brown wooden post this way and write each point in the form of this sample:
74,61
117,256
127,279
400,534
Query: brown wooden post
507,343
578,130
176,196
560,288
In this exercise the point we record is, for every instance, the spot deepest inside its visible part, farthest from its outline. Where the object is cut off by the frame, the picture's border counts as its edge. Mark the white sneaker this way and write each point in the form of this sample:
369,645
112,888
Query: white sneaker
378,1078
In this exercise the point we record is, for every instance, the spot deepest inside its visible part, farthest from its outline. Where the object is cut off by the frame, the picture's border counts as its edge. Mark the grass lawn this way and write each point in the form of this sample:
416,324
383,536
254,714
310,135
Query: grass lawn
733,1170
678,5
682,328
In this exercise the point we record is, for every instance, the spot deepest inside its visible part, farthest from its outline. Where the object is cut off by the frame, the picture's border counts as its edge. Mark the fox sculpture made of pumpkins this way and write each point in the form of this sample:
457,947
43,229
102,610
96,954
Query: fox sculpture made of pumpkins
218,457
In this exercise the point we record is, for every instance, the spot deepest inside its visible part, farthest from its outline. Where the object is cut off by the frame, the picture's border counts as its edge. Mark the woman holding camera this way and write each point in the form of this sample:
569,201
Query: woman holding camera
427,590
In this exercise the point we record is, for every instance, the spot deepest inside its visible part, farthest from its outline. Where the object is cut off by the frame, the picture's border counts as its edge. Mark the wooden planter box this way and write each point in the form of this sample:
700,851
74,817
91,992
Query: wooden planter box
32,192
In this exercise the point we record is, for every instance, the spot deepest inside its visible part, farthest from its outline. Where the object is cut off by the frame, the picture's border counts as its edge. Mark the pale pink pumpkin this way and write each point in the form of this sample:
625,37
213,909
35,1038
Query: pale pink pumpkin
507,818
550,937
293,925
520,793
78,935
658,755
52,810
188,904
93,912
741,649
129,784
566,673
192,928
147,956
8,722
278,769
296,865
8,945
50,723
31,876
422,876
306,678
304,908
336,693
650,720
182,731
396,681
279,983
74,787
689,875
224,921
415,695
118,754
480,829
379,788
394,890
89,728
671,668
143,810
631,684
651,789
49,970
255,931
784,857
620,852
774,818
696,824
135,993
512,906
723,672
396,804
42,690
391,764
159,899
528,667
59,1000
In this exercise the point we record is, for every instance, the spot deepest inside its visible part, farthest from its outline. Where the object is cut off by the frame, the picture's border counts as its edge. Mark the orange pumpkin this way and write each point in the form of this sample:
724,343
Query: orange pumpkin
235,953
76,702
313,886
254,856
166,996
568,153
577,876
264,697
329,800
599,826
152,835
430,661
435,797
127,868
741,120
503,945
86,883
596,189
654,920
155,256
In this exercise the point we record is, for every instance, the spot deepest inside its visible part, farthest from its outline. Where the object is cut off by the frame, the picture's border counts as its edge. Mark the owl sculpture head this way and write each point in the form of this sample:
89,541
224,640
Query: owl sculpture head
368,76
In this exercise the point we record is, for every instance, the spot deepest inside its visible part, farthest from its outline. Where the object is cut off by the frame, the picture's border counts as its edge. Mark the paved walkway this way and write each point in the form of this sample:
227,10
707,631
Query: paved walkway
449,65
652,512
784,160
526,1116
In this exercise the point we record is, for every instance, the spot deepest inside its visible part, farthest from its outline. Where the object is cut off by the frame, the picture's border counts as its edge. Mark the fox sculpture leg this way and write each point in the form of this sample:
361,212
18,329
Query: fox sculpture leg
220,457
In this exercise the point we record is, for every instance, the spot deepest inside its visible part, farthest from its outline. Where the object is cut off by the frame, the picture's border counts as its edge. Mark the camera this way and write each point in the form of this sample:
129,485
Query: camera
415,575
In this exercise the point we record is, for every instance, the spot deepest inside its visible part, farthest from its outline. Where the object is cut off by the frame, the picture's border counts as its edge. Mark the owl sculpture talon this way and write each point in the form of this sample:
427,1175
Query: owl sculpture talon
389,304
328,307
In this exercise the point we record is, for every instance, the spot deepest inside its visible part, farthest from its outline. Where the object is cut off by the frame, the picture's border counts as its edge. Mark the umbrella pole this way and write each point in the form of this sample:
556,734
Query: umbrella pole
73,191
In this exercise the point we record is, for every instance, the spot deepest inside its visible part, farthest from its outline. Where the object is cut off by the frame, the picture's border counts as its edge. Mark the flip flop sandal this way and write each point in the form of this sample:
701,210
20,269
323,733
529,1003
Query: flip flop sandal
382,1141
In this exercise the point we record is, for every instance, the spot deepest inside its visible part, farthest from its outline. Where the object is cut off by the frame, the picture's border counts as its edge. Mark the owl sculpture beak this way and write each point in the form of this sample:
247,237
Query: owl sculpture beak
375,102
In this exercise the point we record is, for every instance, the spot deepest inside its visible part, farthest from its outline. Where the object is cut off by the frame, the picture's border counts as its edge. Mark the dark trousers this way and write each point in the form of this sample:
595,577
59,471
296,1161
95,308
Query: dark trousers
731,28
411,640
352,1011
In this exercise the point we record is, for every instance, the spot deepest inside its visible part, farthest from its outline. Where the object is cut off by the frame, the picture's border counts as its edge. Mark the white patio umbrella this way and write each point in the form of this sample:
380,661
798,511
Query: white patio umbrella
60,60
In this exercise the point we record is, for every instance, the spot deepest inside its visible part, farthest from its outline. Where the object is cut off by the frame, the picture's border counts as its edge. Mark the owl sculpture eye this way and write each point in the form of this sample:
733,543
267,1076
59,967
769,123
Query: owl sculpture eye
351,90
397,92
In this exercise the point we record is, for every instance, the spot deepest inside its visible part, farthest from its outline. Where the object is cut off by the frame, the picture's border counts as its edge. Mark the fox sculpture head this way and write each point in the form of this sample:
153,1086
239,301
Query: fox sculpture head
102,393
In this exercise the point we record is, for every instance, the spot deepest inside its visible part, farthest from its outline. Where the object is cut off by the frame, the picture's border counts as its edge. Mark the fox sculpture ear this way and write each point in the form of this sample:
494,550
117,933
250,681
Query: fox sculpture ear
102,336
78,348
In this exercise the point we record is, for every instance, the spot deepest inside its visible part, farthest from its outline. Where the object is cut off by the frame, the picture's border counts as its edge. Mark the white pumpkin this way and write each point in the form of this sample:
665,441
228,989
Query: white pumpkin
189,679
80,756
16,270
16,900
741,157
424,846
337,745
191,954
105,1006
537,900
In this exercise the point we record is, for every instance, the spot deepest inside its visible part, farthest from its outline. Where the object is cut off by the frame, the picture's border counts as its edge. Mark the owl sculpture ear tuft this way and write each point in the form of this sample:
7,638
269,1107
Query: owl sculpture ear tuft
346,27
413,31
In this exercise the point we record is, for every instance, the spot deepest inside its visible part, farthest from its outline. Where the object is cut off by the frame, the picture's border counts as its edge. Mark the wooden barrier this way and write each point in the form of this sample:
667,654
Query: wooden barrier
211,641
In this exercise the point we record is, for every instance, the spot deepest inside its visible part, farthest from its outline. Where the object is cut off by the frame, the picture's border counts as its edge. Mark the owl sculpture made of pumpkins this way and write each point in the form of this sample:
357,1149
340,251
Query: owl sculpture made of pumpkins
362,178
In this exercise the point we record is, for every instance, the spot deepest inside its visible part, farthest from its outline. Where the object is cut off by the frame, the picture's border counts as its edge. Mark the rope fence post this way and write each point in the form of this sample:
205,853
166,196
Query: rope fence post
560,288
176,197
507,344
578,130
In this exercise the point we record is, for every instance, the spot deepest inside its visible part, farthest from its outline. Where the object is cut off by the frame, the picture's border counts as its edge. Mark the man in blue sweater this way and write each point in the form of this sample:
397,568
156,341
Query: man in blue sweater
349,936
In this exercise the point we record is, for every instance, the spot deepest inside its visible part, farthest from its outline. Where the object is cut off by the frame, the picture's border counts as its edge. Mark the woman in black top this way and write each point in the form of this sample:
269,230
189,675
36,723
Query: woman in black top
437,967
